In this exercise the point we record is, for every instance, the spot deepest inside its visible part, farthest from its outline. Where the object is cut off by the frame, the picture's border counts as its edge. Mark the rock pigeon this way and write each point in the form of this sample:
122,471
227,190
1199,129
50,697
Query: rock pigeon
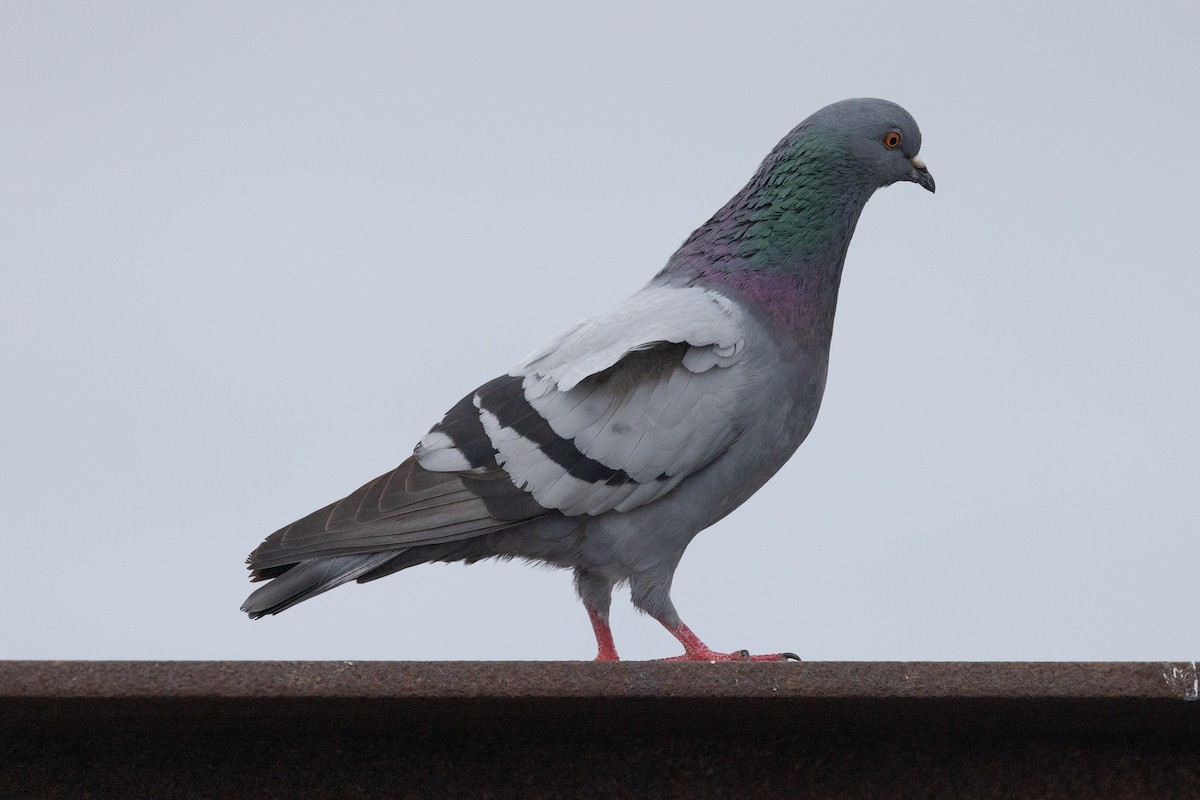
611,446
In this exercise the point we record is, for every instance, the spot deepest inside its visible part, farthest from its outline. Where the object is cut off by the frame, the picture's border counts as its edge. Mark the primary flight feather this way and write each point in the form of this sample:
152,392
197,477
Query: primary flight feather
610,447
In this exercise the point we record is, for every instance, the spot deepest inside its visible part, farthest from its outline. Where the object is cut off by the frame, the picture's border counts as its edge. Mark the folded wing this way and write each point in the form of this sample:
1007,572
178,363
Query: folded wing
607,416
612,413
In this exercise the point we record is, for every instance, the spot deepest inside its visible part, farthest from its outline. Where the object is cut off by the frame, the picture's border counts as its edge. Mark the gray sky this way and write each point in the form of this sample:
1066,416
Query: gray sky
253,251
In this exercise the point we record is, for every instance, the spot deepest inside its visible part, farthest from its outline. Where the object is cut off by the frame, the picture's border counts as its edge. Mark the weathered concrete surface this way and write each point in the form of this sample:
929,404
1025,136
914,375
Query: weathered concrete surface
555,679
634,729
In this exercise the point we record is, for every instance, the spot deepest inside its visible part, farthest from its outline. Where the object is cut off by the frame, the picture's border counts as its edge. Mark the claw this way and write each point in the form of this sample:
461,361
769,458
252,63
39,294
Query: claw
789,657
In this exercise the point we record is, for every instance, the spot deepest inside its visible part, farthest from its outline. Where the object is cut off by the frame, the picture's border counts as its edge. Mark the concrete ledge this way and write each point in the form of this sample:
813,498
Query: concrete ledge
632,729
550,679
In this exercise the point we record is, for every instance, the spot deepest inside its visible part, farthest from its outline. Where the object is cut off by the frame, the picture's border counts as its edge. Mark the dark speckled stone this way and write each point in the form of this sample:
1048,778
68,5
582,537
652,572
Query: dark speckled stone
540,729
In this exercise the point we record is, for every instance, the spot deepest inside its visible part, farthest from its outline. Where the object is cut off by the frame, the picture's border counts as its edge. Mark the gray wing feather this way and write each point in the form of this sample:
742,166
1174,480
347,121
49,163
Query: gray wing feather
408,507
614,412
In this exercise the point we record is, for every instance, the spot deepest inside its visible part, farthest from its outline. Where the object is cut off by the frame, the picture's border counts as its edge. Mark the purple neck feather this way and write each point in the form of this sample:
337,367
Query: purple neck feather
800,303
779,244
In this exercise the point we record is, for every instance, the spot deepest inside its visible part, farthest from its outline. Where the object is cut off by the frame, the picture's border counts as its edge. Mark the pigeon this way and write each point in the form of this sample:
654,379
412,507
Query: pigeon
617,441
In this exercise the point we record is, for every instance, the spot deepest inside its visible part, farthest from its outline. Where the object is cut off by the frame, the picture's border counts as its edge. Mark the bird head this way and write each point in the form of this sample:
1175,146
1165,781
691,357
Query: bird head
882,138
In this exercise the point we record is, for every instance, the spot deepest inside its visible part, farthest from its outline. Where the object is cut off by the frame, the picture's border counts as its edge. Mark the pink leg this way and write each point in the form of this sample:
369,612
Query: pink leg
604,638
696,650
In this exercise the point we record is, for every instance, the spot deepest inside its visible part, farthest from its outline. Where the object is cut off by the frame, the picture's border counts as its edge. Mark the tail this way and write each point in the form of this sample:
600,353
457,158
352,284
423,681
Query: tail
309,578
408,516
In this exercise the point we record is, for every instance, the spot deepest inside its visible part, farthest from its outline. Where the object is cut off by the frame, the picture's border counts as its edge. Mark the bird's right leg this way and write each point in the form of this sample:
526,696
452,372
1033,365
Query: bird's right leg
651,592
596,594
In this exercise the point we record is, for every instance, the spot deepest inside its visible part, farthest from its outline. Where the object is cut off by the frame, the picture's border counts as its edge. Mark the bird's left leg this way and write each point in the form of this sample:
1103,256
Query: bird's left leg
654,597
596,594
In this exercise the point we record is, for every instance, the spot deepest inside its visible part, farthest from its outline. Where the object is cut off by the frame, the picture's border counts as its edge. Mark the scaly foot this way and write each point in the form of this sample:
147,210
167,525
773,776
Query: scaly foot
741,655
696,650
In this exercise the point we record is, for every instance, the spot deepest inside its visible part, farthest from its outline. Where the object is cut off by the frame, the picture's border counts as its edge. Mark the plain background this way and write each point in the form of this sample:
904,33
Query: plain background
251,252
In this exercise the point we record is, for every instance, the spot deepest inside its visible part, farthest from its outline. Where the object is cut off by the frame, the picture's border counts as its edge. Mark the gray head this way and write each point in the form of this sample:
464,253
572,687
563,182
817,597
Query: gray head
882,138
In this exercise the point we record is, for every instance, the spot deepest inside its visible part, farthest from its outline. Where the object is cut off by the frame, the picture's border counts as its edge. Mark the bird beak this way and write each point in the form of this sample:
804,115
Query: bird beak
920,173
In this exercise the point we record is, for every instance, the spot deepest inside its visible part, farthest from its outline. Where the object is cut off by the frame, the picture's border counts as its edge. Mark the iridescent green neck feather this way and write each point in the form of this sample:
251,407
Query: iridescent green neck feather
781,241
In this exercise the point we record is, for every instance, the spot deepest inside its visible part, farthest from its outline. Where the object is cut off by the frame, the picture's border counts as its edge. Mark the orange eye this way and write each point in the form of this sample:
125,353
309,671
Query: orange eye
891,140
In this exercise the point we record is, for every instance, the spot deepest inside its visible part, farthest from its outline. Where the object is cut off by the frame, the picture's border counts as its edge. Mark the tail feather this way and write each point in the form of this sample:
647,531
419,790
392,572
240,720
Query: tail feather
310,578
406,517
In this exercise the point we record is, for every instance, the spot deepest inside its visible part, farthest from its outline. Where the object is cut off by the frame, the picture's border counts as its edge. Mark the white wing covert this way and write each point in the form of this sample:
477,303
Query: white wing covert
612,413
